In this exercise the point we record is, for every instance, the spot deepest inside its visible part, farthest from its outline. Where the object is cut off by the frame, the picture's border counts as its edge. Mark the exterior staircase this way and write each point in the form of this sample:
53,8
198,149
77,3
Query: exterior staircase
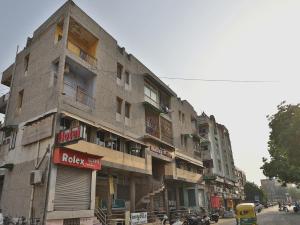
101,215
157,187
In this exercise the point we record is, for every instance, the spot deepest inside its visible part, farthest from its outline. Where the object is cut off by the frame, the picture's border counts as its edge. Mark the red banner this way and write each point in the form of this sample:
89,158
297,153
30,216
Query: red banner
69,135
215,201
72,158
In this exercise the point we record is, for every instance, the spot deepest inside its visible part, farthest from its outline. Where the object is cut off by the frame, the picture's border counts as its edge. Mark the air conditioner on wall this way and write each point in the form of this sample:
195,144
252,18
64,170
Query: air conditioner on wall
36,177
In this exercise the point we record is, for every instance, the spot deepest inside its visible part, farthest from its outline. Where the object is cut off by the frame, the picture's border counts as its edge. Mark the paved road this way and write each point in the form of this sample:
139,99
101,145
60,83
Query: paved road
271,216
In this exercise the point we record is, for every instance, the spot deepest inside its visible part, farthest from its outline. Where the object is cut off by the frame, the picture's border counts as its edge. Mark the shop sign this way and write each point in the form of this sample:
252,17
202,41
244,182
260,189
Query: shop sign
138,218
161,151
69,135
72,158
215,201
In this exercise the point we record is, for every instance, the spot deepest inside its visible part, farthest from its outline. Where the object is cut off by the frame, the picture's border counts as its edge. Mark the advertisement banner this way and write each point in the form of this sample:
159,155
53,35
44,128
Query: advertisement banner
138,218
215,202
72,158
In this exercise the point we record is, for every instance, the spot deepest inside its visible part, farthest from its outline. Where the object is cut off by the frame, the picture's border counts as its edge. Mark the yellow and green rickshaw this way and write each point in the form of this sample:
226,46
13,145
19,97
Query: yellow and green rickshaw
246,214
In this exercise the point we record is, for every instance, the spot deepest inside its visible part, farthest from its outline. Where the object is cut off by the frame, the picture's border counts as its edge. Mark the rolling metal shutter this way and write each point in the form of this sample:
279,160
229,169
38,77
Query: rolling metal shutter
73,189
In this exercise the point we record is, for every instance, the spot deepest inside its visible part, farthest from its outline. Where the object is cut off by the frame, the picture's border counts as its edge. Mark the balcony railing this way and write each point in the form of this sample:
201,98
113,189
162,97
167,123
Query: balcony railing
75,49
79,95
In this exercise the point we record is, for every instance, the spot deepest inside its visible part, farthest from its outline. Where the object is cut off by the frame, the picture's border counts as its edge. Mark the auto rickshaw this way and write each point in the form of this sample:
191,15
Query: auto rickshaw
245,214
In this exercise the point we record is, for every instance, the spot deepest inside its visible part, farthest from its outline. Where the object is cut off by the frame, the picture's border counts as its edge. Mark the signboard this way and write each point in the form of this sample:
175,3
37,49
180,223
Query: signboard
71,134
72,158
215,202
138,218
160,151
38,130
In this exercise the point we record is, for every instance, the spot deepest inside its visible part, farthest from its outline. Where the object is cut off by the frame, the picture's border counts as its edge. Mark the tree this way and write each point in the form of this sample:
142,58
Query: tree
284,145
252,190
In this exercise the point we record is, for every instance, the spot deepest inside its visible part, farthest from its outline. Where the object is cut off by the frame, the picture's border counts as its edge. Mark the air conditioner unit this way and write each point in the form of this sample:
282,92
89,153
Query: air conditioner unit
36,177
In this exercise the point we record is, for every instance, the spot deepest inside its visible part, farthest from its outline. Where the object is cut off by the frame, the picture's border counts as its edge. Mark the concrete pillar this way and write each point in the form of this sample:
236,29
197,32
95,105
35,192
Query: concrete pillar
197,196
151,205
166,201
109,196
132,194
177,198
62,58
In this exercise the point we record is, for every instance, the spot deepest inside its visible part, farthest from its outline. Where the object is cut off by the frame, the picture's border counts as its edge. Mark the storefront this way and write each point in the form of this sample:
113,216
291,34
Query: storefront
74,195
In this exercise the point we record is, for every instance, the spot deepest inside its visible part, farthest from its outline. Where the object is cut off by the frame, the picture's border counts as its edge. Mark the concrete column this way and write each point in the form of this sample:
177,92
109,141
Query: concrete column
132,194
151,205
109,197
166,201
197,196
177,198
62,59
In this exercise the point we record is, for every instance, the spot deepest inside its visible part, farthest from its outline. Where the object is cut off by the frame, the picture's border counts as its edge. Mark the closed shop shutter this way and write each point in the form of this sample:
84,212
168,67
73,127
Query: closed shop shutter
73,189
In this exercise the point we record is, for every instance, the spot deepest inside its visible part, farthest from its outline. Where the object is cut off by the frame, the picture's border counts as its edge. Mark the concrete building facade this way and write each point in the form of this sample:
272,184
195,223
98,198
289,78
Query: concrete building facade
219,174
90,131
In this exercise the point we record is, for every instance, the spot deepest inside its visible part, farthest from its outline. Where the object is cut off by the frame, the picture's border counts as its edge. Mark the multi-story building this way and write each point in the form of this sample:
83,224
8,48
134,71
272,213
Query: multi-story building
88,126
218,160
240,184
274,190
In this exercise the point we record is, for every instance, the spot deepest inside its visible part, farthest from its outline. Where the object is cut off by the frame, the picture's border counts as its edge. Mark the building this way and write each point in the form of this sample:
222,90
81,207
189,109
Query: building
90,131
218,160
274,191
240,184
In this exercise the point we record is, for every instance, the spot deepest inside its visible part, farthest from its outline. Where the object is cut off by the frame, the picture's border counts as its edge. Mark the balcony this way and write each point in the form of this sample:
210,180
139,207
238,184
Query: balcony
115,159
78,95
188,176
78,84
76,50
3,102
7,76
82,43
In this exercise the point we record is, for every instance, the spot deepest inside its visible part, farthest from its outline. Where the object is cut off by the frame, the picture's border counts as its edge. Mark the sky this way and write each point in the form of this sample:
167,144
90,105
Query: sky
212,39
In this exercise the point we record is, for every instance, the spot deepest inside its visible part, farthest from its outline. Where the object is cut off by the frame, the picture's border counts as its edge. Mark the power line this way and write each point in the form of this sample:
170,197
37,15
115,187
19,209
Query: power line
220,80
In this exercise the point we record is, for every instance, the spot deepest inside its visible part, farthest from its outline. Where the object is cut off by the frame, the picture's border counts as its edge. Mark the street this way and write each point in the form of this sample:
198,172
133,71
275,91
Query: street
271,216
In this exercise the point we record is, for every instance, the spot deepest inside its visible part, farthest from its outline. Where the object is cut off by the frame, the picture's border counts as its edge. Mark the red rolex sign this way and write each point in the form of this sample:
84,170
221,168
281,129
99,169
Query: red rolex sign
69,135
72,158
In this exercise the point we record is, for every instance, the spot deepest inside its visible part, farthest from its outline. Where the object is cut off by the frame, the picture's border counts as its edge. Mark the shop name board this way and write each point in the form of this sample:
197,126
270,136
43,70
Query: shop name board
69,135
161,151
138,218
72,158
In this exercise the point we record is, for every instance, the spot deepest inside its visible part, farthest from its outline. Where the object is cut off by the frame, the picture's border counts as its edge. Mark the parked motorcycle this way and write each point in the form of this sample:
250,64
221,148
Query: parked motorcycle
296,208
214,217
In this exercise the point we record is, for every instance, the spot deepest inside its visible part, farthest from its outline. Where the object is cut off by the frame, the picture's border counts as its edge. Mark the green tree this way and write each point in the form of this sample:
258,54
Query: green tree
284,145
252,190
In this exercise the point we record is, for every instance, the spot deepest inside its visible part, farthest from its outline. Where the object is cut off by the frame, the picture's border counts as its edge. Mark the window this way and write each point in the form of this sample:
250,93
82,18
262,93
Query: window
119,71
179,115
119,105
26,63
219,165
227,169
151,94
183,119
20,99
127,110
127,77
183,140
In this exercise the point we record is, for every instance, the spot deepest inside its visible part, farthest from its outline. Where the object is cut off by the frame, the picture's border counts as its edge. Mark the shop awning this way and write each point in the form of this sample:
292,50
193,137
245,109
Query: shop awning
188,158
102,127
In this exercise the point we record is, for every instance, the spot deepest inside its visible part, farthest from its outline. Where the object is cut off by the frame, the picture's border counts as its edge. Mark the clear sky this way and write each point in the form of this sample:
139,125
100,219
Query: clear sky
212,39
